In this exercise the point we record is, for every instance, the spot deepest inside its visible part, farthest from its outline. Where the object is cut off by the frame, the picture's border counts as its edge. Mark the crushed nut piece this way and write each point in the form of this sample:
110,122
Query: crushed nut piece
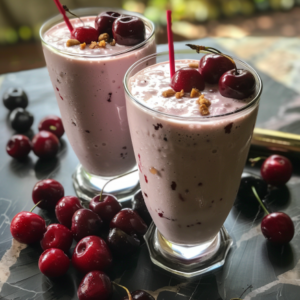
203,100
153,171
102,44
180,94
103,37
194,65
203,110
72,42
195,93
82,46
113,42
93,45
168,93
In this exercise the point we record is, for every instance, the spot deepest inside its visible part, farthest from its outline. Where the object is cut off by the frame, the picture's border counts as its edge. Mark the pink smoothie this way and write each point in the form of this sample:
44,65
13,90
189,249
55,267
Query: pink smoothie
89,91
190,165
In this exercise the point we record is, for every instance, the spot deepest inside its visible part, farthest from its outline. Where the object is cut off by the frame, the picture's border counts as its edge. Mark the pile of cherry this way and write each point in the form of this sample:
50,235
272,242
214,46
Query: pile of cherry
102,232
45,144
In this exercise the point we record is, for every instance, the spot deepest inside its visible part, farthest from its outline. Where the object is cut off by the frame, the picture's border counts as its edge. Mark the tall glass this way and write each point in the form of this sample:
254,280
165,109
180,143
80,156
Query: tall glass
190,170
89,92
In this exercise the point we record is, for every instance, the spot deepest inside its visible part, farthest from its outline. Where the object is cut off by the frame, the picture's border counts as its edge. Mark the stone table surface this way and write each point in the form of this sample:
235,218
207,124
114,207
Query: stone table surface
274,273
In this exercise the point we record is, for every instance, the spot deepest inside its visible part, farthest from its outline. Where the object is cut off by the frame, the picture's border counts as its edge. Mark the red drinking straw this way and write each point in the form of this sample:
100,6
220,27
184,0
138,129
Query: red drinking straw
171,44
62,11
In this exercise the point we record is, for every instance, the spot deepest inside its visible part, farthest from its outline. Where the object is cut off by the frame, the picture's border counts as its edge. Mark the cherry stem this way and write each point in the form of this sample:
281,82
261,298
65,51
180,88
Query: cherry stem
258,199
170,43
67,10
204,49
127,291
100,195
62,11
255,160
36,206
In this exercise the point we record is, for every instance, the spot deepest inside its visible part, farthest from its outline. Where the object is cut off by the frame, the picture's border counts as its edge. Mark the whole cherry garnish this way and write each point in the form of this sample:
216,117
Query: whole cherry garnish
18,146
90,254
140,295
65,209
107,208
84,223
45,144
276,170
85,34
47,192
52,124
104,22
94,286
57,236
129,221
54,262
21,119
15,97
139,206
129,30
213,66
186,79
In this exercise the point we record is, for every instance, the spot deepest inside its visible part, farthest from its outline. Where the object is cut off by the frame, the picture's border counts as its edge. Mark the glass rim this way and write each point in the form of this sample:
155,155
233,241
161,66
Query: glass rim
193,118
59,18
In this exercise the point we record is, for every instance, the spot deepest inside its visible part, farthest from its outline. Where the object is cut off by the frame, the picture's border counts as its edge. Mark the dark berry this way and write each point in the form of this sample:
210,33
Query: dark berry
18,146
139,206
85,34
45,144
104,22
21,119
15,97
140,295
52,124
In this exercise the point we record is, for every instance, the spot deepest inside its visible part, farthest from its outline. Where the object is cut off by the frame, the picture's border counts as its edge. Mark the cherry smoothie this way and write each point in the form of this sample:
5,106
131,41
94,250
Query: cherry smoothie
189,164
88,88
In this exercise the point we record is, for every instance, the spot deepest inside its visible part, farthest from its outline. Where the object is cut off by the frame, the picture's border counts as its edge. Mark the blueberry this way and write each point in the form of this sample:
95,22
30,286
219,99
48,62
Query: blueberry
20,119
15,97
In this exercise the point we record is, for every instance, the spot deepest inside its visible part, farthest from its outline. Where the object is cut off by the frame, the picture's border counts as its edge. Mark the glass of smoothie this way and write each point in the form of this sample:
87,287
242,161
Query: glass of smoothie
87,81
190,161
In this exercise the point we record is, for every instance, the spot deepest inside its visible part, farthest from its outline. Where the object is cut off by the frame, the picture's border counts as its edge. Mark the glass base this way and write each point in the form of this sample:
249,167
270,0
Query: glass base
187,261
87,186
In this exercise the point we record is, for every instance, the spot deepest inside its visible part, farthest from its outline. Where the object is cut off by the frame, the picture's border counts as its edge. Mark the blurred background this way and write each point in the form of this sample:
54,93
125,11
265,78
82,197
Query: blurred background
20,22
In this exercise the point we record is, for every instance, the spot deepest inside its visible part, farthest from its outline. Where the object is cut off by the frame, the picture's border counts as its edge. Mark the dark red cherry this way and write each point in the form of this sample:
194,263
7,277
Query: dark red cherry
107,208
49,191
65,209
139,206
238,86
129,30
27,227
84,223
85,34
129,221
45,144
18,146
54,262
213,66
276,170
95,285
57,236
186,79
20,119
104,22
278,228
52,124
15,97
91,254
140,295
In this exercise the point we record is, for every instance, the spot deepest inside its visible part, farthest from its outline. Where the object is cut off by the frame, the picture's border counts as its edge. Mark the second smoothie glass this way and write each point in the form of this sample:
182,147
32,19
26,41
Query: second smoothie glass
190,170
89,92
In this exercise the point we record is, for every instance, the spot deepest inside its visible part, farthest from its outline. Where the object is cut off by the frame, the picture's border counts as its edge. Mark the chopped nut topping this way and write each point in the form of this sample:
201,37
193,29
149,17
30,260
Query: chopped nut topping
180,94
168,93
93,45
203,100
102,44
194,65
203,110
195,93
103,37
113,42
72,42
153,171
82,46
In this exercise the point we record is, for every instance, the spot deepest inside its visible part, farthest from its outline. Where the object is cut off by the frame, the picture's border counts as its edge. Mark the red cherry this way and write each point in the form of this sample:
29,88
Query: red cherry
84,223
65,209
27,227
49,191
129,221
85,34
91,254
52,124
107,208
213,66
45,144
238,86
278,228
18,146
57,236
139,295
54,262
95,285
186,79
276,170
104,22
